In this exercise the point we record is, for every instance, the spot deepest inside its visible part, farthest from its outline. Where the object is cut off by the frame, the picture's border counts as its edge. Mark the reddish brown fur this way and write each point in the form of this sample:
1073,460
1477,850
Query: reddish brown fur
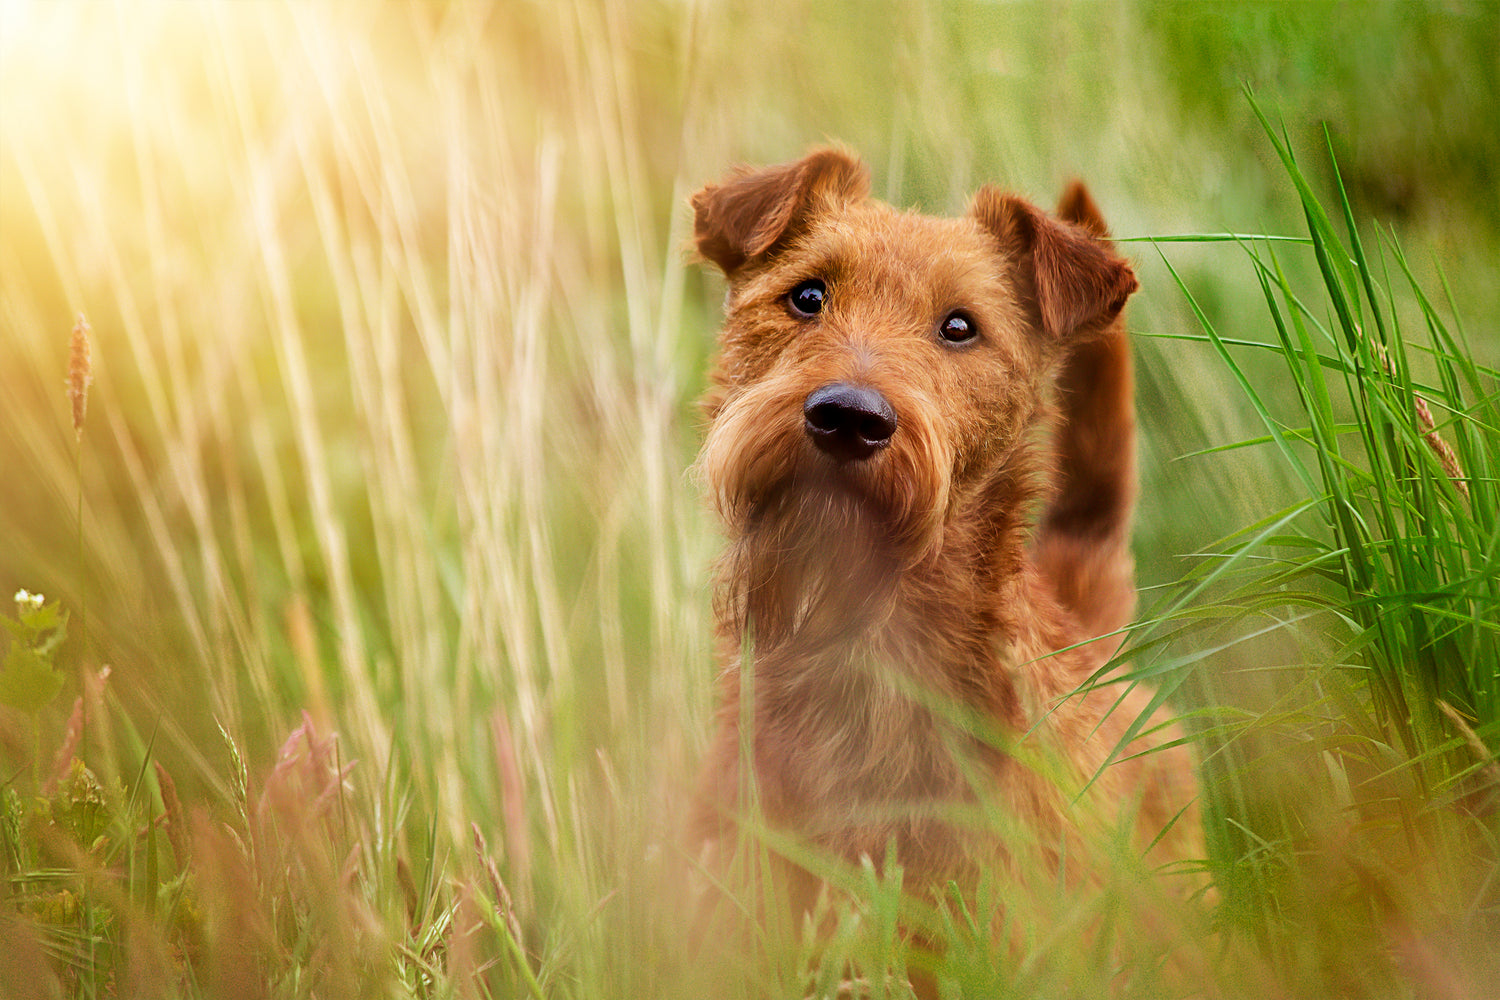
876,595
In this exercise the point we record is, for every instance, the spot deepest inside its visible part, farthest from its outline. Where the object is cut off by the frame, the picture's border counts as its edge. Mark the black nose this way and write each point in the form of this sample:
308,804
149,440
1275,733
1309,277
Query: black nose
848,422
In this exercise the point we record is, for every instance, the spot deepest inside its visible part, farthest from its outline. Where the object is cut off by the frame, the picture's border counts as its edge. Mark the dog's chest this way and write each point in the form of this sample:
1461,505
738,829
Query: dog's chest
854,731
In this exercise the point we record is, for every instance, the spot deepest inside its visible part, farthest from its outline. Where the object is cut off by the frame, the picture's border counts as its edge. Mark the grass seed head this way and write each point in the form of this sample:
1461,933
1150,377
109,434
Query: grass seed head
1441,448
80,373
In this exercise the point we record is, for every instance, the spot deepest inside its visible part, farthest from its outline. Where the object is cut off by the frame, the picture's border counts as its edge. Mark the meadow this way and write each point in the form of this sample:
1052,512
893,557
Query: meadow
373,652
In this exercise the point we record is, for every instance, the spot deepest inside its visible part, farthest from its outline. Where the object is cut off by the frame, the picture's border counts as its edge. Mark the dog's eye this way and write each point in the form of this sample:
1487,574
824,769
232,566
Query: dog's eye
807,298
958,329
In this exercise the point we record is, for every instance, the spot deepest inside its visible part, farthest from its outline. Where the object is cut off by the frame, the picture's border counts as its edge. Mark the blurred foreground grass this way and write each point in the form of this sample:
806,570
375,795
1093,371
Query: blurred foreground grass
395,349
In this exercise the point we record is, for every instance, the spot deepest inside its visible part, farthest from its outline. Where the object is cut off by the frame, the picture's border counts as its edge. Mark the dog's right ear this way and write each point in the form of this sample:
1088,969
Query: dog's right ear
1077,280
755,211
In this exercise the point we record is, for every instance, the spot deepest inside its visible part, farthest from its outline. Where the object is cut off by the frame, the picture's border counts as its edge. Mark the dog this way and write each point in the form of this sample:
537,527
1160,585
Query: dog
920,441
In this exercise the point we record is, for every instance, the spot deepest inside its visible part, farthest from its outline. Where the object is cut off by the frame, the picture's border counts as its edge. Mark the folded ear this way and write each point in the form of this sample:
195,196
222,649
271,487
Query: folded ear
1080,283
755,211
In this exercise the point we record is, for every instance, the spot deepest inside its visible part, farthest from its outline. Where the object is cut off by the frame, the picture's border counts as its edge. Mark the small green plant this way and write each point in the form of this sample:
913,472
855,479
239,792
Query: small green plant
57,827
30,680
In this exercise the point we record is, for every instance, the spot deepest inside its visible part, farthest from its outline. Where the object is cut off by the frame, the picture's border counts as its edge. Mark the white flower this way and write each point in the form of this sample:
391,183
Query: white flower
23,599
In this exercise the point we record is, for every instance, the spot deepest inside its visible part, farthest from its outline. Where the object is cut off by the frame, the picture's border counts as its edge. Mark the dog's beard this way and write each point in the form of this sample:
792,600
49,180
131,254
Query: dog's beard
813,560
814,583
817,546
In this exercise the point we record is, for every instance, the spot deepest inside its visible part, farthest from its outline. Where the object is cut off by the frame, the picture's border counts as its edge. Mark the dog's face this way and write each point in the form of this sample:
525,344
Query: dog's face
878,368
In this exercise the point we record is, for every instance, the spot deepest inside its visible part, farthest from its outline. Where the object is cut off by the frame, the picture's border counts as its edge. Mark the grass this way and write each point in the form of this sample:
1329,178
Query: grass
1377,752
394,354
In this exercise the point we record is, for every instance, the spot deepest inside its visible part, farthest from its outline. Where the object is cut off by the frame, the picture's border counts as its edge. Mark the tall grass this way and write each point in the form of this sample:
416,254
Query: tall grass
1353,818
395,350
389,462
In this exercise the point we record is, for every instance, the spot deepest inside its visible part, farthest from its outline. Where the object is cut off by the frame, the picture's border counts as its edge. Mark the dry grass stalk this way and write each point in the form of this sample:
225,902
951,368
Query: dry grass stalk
1490,769
80,373
72,737
504,907
83,706
177,830
1440,447
517,841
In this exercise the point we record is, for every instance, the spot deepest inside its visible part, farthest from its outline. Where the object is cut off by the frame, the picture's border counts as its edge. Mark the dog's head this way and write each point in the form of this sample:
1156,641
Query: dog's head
877,367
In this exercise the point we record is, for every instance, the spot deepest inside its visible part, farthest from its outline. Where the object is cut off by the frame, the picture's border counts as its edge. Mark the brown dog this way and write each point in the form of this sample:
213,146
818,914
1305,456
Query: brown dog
878,449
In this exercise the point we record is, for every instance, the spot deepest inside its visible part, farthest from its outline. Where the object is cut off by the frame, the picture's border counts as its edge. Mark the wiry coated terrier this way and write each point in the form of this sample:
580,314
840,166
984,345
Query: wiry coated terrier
921,442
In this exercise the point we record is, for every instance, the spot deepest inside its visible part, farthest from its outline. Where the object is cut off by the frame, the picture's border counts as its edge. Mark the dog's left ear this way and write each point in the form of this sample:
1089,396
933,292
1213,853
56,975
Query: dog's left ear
1080,283
748,216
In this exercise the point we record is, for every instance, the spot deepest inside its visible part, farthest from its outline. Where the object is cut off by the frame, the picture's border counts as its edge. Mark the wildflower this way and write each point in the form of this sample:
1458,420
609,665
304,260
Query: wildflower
26,600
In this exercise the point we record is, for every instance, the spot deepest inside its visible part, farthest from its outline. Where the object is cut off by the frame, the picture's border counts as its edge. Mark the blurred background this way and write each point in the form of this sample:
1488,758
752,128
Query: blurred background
396,336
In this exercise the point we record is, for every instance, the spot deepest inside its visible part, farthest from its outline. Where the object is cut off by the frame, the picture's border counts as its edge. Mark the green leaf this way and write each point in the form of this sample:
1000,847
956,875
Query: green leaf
44,617
28,681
